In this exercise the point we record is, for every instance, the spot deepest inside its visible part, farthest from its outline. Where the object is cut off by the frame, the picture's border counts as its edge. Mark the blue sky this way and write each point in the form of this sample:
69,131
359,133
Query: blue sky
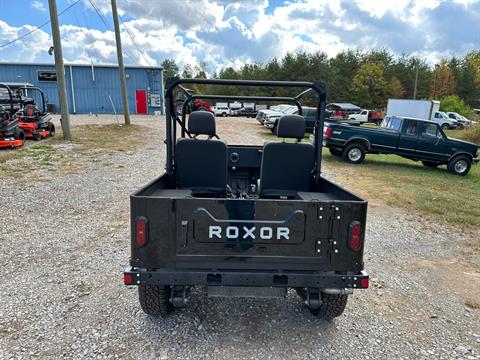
229,33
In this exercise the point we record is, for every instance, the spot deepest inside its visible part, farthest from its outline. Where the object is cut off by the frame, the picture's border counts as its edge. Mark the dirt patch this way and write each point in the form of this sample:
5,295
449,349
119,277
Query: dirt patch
456,276
39,162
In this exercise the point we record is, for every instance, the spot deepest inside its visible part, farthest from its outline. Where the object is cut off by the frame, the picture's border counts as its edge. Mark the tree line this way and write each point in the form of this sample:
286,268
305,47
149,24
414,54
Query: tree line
366,79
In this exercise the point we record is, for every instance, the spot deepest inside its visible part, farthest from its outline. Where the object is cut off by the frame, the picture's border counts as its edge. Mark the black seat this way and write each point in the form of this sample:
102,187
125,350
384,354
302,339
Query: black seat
287,167
201,164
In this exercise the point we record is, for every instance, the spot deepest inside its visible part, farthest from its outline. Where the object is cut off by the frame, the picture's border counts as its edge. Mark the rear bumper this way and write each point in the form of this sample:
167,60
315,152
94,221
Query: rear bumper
326,280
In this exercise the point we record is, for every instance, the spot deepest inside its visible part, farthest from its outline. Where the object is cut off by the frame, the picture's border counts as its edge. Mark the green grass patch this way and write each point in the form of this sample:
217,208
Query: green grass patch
95,143
471,134
408,184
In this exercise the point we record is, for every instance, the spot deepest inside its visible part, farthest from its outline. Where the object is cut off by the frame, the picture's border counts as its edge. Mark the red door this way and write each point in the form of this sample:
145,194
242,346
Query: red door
141,101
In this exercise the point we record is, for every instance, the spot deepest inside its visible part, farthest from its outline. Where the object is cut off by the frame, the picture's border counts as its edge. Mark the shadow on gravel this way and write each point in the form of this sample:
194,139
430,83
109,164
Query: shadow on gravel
278,323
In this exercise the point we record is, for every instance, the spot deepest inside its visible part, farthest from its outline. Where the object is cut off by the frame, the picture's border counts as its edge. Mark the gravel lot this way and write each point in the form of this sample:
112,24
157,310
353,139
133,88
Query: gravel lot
65,242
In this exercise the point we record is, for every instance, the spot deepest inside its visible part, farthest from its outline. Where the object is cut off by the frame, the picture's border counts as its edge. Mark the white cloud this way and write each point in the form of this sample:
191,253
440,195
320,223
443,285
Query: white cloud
36,4
225,33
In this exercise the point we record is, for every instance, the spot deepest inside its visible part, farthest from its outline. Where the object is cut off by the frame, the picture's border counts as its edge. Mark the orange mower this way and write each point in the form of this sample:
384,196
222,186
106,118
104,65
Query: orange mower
11,135
34,122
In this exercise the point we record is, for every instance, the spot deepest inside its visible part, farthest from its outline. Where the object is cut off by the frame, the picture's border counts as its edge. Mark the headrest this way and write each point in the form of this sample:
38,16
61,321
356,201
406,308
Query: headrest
201,123
291,126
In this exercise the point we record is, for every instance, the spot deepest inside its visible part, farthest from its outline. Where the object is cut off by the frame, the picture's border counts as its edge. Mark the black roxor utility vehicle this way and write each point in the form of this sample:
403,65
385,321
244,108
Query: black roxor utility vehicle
245,221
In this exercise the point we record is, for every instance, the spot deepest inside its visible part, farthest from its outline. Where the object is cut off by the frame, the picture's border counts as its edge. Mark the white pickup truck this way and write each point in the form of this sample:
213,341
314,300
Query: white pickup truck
367,116
221,109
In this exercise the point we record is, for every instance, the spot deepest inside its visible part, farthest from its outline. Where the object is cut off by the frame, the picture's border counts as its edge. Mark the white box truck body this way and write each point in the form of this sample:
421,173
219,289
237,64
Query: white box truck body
419,109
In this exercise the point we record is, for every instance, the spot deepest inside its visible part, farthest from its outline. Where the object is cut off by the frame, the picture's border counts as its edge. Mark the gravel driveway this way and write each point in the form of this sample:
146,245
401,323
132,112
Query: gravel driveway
65,242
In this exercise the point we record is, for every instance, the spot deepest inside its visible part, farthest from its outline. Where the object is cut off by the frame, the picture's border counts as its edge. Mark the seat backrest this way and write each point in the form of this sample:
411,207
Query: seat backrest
31,110
287,167
201,164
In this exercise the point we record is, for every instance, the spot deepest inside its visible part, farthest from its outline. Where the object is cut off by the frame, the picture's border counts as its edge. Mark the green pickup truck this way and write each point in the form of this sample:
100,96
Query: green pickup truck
414,139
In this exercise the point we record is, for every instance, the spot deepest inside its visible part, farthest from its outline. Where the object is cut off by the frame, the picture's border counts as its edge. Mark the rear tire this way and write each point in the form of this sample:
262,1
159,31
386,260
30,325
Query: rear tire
19,134
155,300
354,153
51,129
460,165
332,306
430,164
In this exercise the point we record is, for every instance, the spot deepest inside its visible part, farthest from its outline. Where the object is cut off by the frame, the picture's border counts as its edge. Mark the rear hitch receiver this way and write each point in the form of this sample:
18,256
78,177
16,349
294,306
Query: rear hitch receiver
313,299
179,296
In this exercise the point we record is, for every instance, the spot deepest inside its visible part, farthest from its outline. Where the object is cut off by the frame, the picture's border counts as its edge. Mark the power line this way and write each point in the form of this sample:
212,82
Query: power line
106,25
134,43
39,27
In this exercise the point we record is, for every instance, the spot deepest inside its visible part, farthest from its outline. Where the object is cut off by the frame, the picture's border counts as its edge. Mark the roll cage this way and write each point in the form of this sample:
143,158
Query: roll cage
44,106
173,119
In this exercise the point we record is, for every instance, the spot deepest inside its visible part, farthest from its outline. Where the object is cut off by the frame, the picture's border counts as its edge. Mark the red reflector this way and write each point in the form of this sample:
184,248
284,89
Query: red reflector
127,279
355,236
141,230
328,132
364,283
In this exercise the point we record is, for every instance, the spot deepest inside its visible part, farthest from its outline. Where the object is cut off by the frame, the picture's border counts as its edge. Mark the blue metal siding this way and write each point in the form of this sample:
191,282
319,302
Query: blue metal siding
91,91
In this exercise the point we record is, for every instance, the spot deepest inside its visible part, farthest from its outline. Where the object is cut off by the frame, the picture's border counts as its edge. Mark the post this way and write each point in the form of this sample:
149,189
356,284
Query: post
416,82
121,66
60,69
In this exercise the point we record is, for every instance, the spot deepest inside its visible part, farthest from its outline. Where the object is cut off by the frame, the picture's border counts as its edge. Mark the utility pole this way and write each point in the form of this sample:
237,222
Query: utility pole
121,66
416,82
60,69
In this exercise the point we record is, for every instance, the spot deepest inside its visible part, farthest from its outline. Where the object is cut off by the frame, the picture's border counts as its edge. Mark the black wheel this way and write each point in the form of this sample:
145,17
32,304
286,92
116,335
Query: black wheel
445,126
224,114
19,134
51,129
460,165
36,136
155,299
335,152
430,164
332,306
354,153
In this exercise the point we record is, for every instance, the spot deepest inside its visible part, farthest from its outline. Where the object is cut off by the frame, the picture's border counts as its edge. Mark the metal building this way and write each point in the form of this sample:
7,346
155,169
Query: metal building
93,88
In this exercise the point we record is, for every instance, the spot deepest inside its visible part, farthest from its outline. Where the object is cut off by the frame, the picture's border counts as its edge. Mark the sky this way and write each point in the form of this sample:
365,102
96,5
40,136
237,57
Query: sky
223,33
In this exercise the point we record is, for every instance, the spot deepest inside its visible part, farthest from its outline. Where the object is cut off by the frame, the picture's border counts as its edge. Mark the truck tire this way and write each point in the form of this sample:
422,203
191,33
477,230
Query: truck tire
224,114
155,300
335,152
354,153
430,164
460,165
332,306
445,126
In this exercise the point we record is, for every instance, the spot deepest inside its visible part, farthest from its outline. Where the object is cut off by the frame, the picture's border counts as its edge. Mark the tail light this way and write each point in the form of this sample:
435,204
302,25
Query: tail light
355,236
127,279
328,132
141,230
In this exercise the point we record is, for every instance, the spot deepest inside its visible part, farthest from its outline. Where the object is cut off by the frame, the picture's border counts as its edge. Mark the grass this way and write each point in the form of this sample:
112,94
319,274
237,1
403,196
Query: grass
399,182
53,156
431,192
471,134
